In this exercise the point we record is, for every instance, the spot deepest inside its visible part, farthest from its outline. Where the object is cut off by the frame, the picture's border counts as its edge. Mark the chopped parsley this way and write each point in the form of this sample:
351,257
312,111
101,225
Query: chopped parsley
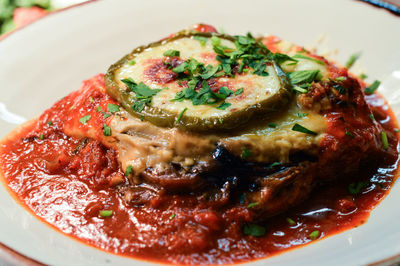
363,76
201,39
385,142
172,53
84,119
301,56
112,108
144,94
128,170
300,128
106,213
290,221
50,123
181,114
106,130
314,235
372,88
282,58
303,76
246,153
239,91
352,59
355,188
253,230
223,106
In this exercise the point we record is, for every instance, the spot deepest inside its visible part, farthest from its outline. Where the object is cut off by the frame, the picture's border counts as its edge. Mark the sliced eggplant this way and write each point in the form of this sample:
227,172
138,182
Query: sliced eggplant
251,94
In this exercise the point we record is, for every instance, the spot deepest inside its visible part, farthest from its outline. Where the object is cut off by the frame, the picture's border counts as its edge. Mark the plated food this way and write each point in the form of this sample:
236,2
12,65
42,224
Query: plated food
207,148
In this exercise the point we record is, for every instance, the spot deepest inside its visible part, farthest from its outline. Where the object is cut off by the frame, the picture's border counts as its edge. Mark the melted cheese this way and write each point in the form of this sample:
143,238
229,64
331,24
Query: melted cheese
256,88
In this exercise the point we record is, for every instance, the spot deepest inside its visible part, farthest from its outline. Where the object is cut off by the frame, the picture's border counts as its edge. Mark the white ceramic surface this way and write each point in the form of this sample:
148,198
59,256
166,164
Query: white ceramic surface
48,59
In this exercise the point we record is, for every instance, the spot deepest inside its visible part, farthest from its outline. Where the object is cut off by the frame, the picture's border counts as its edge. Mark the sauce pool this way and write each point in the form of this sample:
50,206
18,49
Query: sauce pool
67,185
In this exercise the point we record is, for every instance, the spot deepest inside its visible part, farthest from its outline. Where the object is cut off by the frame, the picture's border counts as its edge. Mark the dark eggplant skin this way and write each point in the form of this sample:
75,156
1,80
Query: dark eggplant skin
165,118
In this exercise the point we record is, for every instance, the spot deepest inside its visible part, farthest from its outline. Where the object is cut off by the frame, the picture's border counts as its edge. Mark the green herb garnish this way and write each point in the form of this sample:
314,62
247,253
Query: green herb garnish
302,115
363,76
300,128
144,94
181,114
201,39
314,235
273,125
253,230
106,213
106,130
372,88
128,170
239,91
353,58
355,188
172,53
298,55
290,221
385,142
112,108
303,76
246,153
41,136
172,216
223,106
50,123
132,62
251,205
84,119
349,134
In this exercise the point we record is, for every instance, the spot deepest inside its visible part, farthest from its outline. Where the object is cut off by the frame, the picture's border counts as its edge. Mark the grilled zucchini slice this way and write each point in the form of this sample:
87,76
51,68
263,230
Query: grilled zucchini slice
249,94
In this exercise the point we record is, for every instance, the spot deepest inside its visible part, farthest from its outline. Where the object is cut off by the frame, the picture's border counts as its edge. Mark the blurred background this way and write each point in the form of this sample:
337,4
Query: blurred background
17,13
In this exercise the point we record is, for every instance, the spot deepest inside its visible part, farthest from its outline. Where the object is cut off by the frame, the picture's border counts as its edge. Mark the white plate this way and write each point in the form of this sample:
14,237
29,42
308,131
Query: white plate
48,59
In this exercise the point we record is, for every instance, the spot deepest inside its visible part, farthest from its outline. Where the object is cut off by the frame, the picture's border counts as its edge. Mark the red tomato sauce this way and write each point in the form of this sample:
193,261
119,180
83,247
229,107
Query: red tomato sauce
66,180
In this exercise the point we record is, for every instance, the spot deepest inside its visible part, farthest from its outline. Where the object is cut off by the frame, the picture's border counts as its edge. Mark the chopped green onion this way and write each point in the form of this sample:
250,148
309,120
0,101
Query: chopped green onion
274,164
223,106
172,216
106,213
340,78
132,62
363,76
302,129
299,89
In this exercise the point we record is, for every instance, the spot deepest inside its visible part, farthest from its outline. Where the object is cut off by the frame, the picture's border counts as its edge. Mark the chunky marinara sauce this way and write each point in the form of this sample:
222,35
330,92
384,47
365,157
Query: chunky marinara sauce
67,180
